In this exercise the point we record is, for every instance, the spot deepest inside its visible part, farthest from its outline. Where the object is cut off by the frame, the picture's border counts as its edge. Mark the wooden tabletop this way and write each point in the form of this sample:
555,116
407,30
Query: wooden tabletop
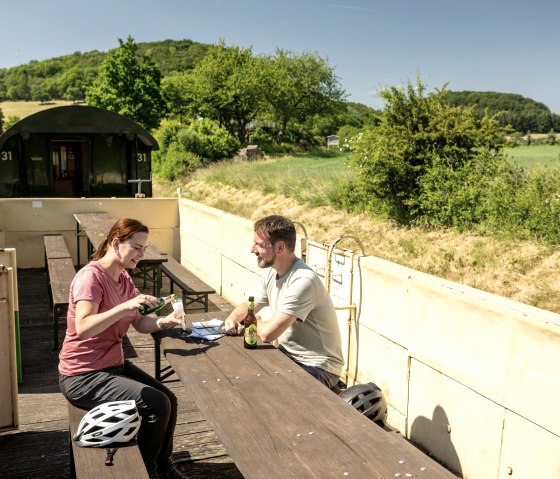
277,421
96,226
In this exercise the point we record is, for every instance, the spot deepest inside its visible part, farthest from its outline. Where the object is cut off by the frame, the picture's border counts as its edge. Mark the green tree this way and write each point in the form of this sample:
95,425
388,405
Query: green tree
297,87
225,87
419,135
128,86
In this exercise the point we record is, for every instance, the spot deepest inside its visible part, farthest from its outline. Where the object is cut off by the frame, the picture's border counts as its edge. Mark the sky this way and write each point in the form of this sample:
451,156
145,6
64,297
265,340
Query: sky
507,46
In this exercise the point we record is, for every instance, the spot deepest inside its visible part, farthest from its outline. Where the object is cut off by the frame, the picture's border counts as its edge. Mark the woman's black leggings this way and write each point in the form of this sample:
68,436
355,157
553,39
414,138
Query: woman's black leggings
156,404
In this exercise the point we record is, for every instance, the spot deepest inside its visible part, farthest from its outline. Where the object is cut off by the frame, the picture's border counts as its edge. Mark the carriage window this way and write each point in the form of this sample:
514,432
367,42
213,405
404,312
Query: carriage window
63,156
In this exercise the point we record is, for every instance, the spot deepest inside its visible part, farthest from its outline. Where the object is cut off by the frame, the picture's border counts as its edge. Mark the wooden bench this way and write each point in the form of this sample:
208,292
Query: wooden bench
195,291
89,462
60,273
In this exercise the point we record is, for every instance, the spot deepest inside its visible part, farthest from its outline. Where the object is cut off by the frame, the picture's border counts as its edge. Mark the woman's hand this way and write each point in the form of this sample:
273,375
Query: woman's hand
170,321
140,302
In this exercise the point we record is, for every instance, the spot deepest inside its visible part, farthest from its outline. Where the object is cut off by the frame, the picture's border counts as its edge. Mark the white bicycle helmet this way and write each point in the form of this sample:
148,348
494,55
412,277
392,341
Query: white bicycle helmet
110,422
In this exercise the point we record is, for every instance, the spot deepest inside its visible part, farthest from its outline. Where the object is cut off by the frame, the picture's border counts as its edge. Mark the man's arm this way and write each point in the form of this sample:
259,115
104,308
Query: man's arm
270,330
234,322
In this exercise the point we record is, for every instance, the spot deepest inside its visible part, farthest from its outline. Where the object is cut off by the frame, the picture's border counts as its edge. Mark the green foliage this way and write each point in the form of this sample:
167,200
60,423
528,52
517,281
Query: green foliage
297,87
184,148
10,121
78,70
129,87
207,140
224,86
523,114
176,164
393,161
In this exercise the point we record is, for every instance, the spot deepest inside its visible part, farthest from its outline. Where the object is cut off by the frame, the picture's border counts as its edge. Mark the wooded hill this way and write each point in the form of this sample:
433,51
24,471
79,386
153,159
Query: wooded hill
523,114
67,78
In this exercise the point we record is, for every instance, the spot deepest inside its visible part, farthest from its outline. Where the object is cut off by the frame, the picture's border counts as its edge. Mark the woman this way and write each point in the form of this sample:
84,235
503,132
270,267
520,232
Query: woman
103,304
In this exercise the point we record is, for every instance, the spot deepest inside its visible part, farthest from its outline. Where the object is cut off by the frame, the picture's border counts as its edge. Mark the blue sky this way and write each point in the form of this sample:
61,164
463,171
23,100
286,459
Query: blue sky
507,46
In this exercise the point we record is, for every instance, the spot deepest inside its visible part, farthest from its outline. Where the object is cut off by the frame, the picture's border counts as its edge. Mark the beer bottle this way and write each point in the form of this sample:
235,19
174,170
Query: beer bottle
250,332
160,304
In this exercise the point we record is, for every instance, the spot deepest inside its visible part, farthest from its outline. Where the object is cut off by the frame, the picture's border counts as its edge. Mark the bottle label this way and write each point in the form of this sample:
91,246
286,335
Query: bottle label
251,334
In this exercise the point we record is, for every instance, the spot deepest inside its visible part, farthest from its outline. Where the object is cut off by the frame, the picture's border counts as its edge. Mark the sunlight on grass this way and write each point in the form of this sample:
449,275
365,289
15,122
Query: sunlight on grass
309,179
537,155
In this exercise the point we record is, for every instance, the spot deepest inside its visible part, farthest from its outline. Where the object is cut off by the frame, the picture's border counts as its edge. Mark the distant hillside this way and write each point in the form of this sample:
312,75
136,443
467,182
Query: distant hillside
66,77
522,113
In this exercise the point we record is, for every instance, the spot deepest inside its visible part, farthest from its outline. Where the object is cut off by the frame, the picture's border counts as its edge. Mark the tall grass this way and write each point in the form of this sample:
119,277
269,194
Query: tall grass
535,155
309,179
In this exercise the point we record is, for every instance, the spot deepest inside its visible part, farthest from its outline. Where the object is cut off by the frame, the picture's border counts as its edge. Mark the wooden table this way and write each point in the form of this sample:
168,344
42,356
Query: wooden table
95,227
277,421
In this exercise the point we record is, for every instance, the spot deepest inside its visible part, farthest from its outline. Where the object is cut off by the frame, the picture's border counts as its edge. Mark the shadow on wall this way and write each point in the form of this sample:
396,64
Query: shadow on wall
434,435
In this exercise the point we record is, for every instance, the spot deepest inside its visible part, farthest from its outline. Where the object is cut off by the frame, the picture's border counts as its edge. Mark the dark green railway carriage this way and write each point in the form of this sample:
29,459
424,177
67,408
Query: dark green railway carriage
76,151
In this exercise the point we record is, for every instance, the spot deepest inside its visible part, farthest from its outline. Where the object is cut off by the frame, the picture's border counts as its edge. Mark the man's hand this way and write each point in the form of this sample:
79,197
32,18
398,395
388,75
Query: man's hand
231,327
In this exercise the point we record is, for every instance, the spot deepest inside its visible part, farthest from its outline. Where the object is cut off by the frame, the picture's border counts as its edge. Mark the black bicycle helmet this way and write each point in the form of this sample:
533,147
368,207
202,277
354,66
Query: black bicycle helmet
369,400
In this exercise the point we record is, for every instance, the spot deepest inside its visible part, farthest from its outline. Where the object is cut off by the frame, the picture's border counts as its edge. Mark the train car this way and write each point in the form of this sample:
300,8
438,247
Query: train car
76,151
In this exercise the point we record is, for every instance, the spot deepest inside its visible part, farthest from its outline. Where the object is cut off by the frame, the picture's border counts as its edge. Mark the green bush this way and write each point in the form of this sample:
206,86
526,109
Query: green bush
393,160
175,164
206,139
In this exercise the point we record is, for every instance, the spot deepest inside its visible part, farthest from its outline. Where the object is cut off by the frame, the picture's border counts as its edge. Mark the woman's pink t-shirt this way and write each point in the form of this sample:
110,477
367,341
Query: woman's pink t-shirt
79,356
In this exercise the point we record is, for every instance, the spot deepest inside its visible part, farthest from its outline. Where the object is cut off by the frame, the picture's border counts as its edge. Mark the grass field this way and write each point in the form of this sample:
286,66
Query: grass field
21,109
307,179
535,155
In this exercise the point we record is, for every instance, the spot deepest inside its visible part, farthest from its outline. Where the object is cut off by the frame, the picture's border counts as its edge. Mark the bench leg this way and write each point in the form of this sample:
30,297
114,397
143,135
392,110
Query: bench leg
72,465
157,359
55,326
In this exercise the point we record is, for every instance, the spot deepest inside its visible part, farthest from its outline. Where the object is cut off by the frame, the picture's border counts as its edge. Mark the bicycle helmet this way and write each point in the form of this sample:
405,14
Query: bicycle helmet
369,400
110,422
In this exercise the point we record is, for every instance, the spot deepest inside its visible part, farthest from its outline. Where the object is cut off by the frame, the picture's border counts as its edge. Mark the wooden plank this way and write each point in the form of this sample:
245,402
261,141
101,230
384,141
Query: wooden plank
61,273
275,420
55,247
90,461
187,280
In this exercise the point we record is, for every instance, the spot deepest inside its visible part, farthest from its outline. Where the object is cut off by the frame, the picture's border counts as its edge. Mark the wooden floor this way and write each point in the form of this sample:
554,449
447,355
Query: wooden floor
39,448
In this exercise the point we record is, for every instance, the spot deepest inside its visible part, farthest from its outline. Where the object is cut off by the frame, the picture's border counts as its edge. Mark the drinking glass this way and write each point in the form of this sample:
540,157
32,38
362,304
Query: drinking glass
179,311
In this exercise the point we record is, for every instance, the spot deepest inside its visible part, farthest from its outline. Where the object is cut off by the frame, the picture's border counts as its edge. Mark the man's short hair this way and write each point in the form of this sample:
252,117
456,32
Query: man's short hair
278,228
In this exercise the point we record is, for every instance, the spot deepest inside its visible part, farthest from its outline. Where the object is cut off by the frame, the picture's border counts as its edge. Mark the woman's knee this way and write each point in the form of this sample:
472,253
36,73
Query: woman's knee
155,405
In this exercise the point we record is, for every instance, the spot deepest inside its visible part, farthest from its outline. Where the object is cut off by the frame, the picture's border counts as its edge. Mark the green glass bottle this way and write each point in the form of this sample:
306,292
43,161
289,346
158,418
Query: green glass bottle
250,332
160,304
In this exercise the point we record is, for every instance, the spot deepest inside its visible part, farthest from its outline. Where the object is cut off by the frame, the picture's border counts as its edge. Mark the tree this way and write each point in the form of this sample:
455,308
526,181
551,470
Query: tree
128,86
297,87
225,86
421,153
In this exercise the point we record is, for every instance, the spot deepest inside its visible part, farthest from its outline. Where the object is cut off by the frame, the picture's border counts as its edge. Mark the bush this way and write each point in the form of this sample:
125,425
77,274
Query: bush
206,139
393,160
175,164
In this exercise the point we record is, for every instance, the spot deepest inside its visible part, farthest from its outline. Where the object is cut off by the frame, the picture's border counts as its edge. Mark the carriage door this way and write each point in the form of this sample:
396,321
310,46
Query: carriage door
66,158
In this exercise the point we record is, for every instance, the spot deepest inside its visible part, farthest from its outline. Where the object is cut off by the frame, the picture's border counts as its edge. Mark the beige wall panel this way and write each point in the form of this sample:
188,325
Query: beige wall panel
386,364
396,419
466,339
530,451
203,259
28,219
317,258
436,402
238,282
200,221
533,372
385,305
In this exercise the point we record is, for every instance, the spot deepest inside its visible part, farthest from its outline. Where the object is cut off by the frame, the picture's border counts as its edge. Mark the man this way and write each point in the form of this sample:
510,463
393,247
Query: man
303,316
